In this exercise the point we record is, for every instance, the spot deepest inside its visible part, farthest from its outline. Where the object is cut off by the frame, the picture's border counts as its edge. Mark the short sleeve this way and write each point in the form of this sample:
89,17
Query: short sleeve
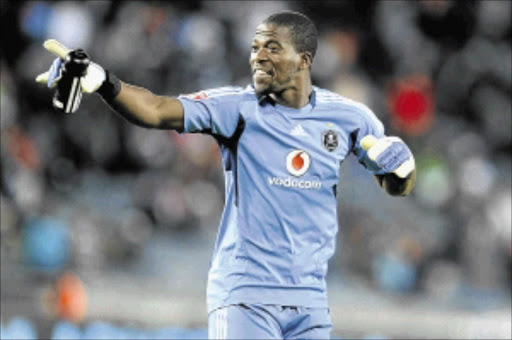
212,111
369,125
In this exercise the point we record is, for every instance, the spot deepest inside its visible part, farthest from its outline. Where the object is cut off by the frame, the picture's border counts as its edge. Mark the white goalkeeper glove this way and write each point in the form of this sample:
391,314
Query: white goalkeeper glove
391,154
89,83
73,73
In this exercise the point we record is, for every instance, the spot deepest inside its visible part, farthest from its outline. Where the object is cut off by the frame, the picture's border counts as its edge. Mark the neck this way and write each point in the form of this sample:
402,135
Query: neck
297,96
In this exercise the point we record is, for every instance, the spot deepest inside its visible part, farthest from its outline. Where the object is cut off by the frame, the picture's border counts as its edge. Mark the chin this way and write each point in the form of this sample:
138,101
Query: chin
261,88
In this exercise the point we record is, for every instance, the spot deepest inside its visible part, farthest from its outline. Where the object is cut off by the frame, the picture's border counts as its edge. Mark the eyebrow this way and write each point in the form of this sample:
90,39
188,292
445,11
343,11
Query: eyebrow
273,42
268,42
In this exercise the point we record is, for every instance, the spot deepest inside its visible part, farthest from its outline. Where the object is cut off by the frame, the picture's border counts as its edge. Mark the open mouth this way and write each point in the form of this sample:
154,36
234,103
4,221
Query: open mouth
259,73
261,70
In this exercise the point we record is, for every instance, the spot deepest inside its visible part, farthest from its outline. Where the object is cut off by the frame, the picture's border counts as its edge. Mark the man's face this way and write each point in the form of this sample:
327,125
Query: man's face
275,64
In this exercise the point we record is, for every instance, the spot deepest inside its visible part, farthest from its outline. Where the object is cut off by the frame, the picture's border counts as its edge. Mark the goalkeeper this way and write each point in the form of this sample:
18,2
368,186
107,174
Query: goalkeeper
282,141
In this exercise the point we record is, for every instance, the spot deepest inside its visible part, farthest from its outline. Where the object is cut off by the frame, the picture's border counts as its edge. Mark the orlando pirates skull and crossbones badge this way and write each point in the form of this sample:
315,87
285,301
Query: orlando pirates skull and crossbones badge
330,140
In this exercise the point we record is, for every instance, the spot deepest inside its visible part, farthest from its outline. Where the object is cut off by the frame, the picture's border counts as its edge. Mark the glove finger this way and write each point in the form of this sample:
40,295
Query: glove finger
93,79
405,168
380,146
43,77
387,155
56,48
395,162
393,156
55,73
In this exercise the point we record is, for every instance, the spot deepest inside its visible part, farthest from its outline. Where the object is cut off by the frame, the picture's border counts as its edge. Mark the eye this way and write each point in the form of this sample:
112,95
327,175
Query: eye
273,48
254,48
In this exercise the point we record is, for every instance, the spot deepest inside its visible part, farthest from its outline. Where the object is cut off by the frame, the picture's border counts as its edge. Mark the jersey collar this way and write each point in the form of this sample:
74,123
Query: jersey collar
265,99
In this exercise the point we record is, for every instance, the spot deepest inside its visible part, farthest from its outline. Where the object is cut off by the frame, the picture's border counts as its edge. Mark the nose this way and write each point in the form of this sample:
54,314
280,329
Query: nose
259,55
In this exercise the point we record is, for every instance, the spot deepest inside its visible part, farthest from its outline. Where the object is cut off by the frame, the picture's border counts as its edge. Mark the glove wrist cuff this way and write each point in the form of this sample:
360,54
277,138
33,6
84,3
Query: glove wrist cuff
110,87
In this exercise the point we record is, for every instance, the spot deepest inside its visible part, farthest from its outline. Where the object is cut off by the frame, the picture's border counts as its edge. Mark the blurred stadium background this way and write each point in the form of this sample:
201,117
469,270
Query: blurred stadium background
107,229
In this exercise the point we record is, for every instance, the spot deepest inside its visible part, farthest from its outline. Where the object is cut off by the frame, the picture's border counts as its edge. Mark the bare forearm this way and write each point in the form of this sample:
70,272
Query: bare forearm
144,108
396,186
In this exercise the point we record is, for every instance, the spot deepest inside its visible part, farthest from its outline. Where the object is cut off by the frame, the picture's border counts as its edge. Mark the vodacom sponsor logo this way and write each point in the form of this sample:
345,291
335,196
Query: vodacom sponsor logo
297,164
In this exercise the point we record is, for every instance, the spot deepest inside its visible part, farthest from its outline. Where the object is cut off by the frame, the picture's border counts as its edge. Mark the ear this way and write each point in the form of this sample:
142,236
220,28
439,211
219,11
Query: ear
305,60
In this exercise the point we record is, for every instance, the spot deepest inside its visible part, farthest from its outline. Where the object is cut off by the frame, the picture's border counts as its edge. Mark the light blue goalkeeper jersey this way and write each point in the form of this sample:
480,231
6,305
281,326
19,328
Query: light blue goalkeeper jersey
281,167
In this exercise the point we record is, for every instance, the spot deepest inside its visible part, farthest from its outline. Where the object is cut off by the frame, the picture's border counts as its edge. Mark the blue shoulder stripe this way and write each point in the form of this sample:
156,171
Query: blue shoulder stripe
326,96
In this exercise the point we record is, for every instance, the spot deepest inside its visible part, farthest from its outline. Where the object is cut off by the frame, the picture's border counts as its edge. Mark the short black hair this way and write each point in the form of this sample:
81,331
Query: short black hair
302,29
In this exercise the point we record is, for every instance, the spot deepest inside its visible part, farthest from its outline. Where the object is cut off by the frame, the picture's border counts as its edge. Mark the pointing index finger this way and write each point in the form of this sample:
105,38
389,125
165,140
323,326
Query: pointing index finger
56,48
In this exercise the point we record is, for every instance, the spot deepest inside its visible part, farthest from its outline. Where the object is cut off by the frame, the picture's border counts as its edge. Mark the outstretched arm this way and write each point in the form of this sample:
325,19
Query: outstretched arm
144,108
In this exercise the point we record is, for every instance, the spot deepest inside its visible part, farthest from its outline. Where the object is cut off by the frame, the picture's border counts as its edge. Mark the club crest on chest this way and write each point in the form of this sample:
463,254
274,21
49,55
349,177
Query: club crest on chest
330,140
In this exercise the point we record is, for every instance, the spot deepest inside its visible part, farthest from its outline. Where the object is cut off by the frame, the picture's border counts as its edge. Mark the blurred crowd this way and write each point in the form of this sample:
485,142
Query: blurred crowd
90,191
